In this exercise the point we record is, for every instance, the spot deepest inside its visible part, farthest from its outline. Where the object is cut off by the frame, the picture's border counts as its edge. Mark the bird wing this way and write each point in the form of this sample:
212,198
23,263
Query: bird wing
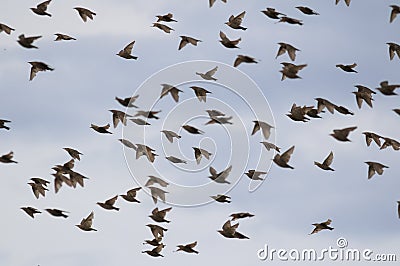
266,129
238,61
256,127
183,43
240,17
371,171
111,201
212,71
212,2
281,50
292,53
129,47
175,93
286,155
223,36
43,6
192,245
328,160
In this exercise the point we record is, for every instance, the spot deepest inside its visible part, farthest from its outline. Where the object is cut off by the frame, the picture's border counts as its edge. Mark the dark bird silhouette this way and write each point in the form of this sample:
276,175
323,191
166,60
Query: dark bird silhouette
325,165
342,134
109,204
174,159
290,20
370,136
119,116
221,176
394,48
222,198
63,37
387,89
147,114
390,142
346,1
272,13
235,21
7,158
128,144
188,248
41,8
298,113
146,151
162,27
86,223
397,111
75,154
209,74
363,94
131,195
57,213
36,67
38,189
154,242
306,10
140,122
172,90
157,193
156,180
127,51
287,48
170,135
128,102
211,2
225,41
375,167
270,146
159,215
199,153
322,226
200,93
347,68
229,231
30,211
255,175
155,252
6,29
283,160
240,215
40,181
166,18
101,129
395,11
186,40
290,70
192,130
85,13
157,231
265,128
27,41
244,59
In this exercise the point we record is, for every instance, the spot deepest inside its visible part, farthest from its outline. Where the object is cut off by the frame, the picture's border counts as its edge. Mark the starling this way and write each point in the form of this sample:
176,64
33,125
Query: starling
174,159
109,204
188,248
369,136
131,195
38,66
209,74
192,130
38,189
240,215
5,28
128,144
30,211
347,68
140,122
128,102
166,18
323,103
270,146
63,37
272,13
57,213
322,226
27,41
307,10
229,231
85,13
119,116
40,181
127,52
86,223
214,113
290,70
41,8
265,128
155,252
394,48
282,160
219,120
346,1
395,11
343,110
73,153
297,113
154,242
171,90
148,114
156,180
145,150
159,216
222,198
163,27
374,167
211,2
235,22
390,142
325,165
199,153
186,40
291,20
77,178
200,93
220,177
7,158
287,48
157,231
387,89
255,175
101,129
157,193
363,96
225,41
244,59
342,134
170,135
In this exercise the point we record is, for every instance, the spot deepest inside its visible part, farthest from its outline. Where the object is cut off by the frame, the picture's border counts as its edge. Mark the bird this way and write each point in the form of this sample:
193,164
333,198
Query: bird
38,189
128,102
85,13
390,142
370,136
272,13
174,159
199,153
287,48
192,130
147,114
40,181
127,52
219,120
166,18
363,94
395,11
244,59
154,242
75,154
30,211
101,129
291,20
255,175
157,231
157,193
307,10
346,1
387,89
265,128
283,160
76,178
140,122
155,252
347,68
109,204
235,21
6,29
156,180
375,167
7,158
200,93
63,37
270,146
188,248
36,67
322,226
186,40
131,195
298,113
324,103
221,176
229,231
86,223
240,215
343,110
214,113
209,74
222,198
211,2
41,8
325,165
225,41
394,48
342,134
128,144
146,151
397,111
290,70
57,213
162,27
170,135
119,116
174,91
159,215
27,41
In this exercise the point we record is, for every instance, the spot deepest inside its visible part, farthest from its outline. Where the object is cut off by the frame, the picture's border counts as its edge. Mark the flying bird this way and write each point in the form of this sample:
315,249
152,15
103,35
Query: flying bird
342,134
235,21
387,89
186,40
140,122
101,129
40,181
390,142
225,41
346,1
170,135
211,2
148,114
127,52
229,231
222,198
255,175
188,248
30,211
306,10
395,11
157,231
375,167
174,159
347,68
38,189
370,136
6,29
394,48
290,20
119,116
156,180
209,74
157,193
221,176
131,195
163,27
192,130
199,153
27,41
200,93
298,113
244,59
272,13
265,128
290,70
7,158
146,151
283,160
109,204
128,144
325,165
159,215
41,8
174,91
85,13
86,223
363,94
287,48
270,146
240,215
155,252
63,37
322,226
75,154
166,18
128,102
57,213
36,67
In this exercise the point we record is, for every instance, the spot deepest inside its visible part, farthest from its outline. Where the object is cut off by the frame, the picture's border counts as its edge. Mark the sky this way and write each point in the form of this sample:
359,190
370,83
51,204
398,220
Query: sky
56,108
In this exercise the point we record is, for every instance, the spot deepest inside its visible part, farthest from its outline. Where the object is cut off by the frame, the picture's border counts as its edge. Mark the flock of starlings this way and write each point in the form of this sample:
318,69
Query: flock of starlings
64,174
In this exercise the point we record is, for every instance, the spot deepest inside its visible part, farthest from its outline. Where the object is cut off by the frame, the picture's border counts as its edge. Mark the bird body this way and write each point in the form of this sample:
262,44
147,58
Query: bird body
85,13
209,74
221,176
127,51
235,21
342,134
283,160
325,165
109,204
38,66
41,8
86,223
322,226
